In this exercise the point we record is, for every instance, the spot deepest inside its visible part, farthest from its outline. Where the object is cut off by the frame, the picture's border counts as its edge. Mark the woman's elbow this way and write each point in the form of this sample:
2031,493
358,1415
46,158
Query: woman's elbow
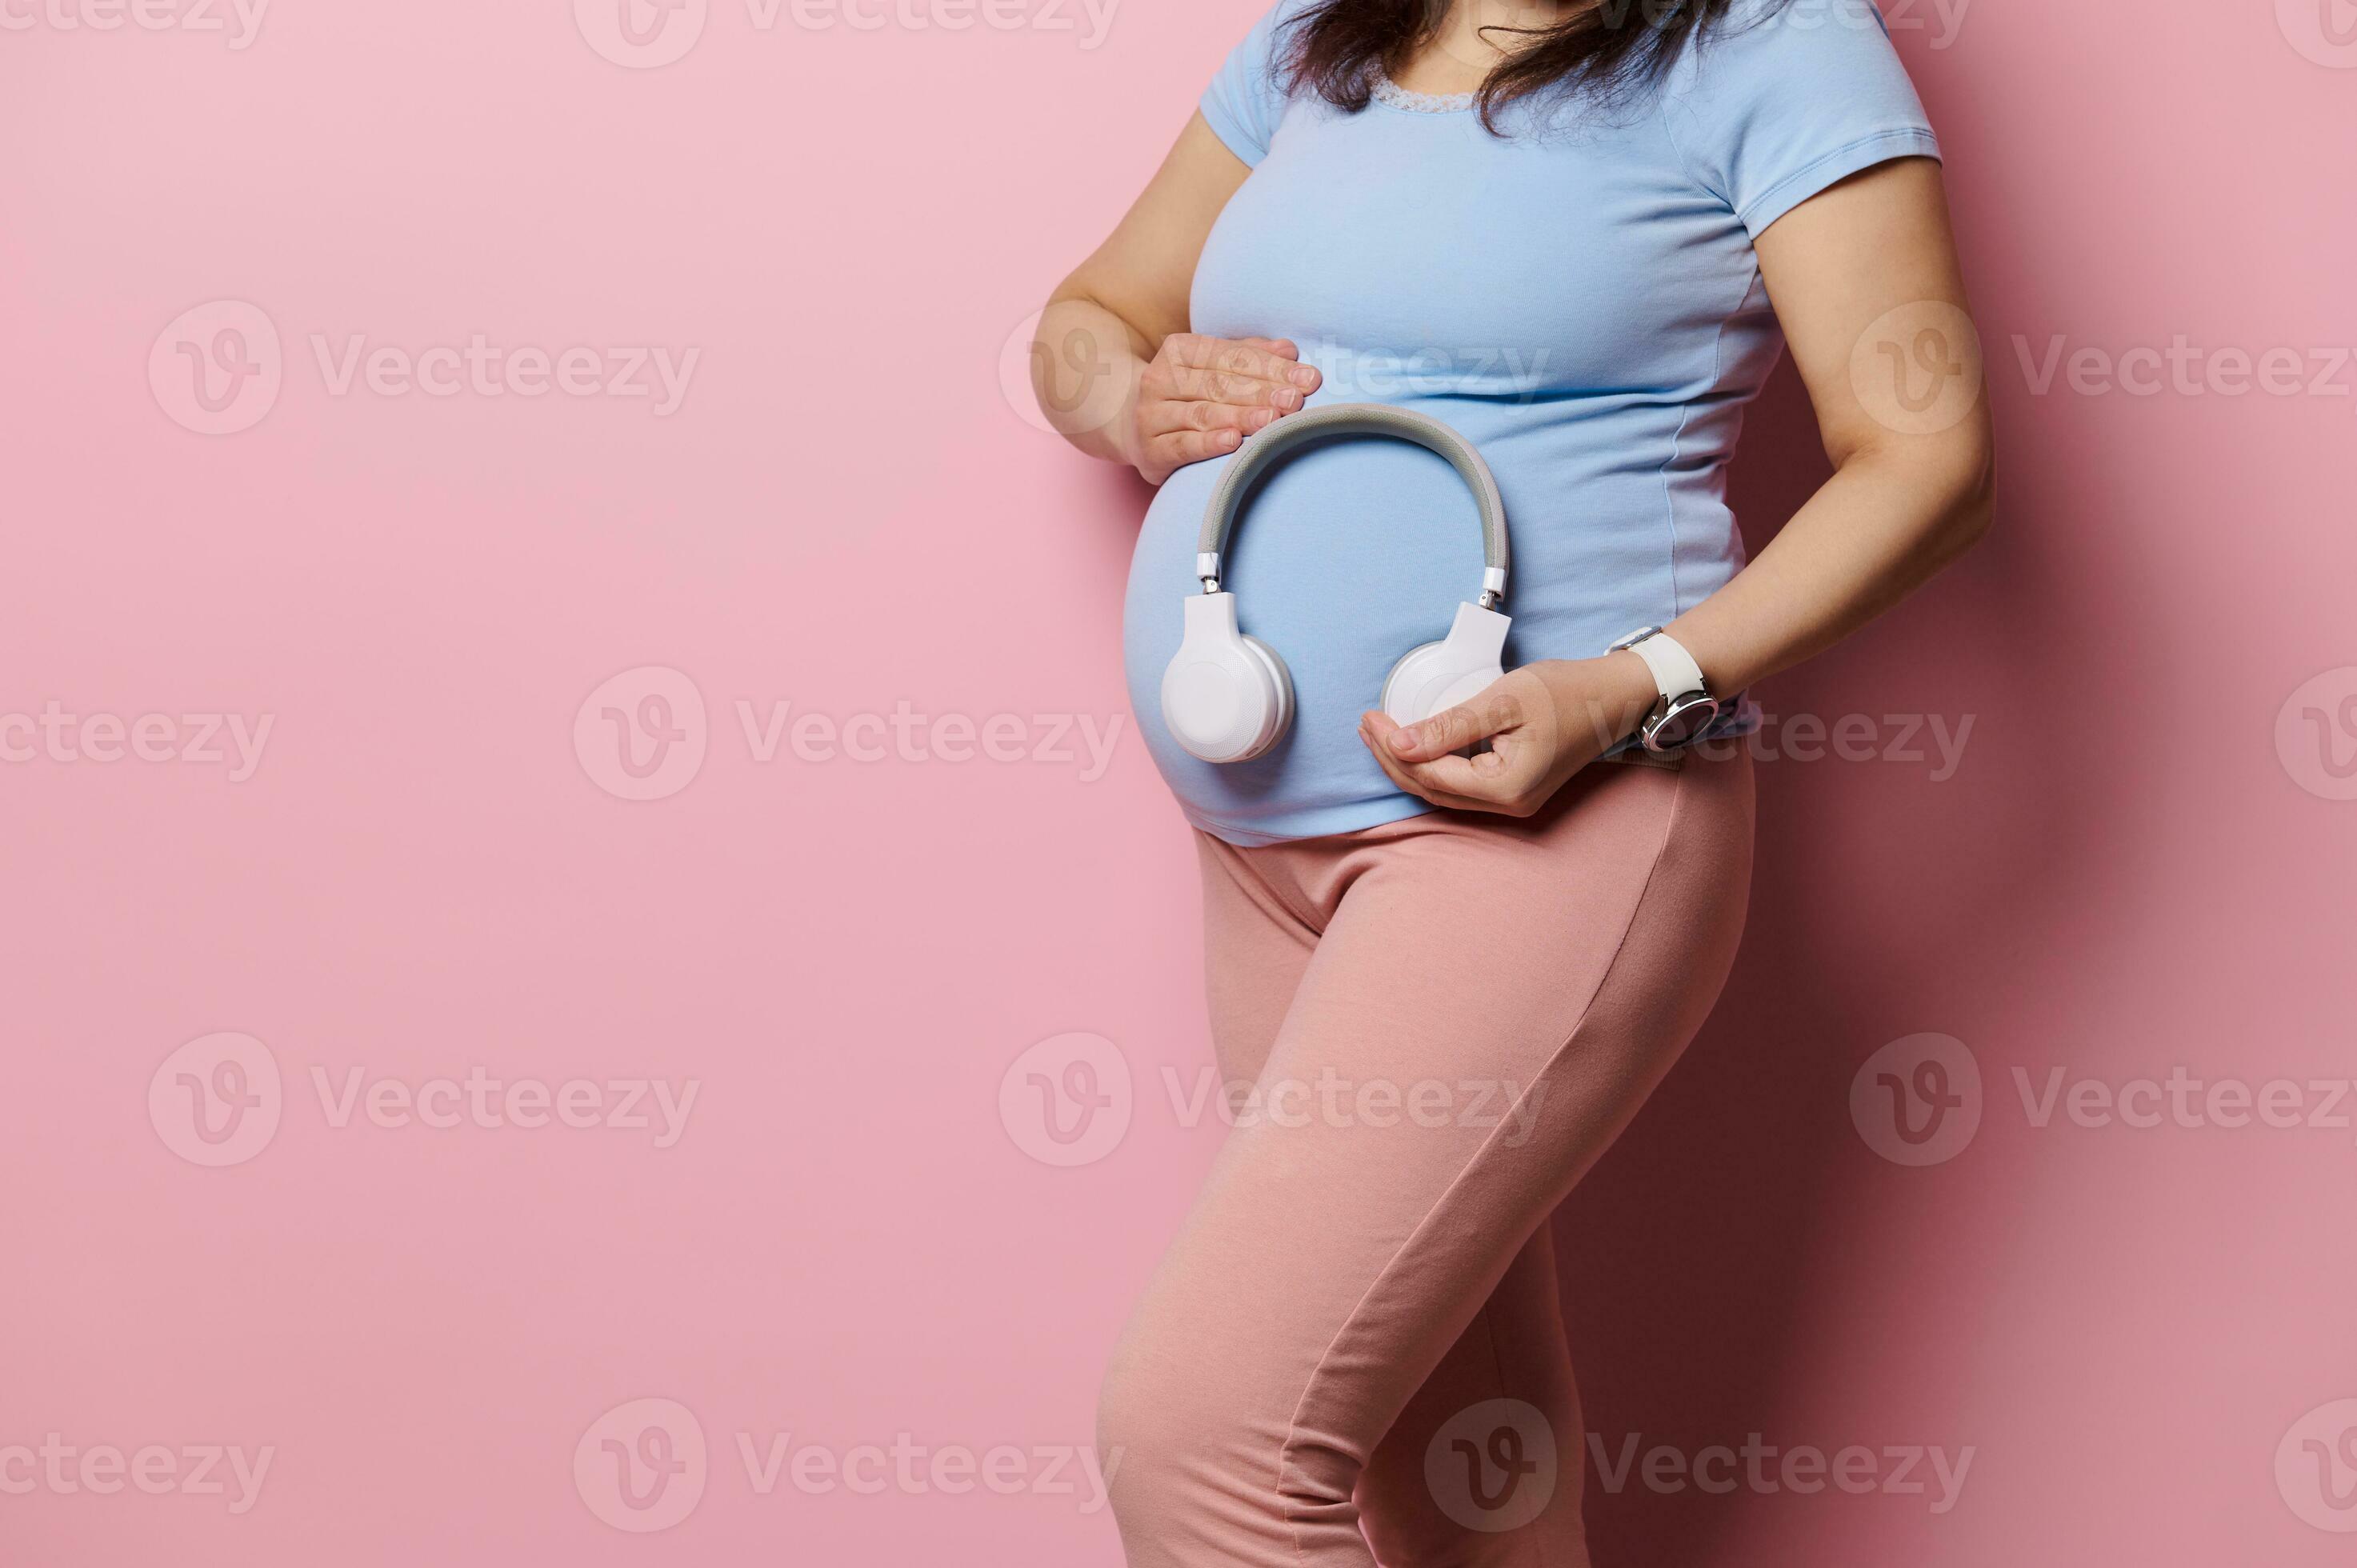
1971,504
1948,480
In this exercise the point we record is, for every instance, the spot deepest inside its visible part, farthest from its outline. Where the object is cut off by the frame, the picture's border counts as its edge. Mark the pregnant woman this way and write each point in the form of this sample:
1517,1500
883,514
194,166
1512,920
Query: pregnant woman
1454,956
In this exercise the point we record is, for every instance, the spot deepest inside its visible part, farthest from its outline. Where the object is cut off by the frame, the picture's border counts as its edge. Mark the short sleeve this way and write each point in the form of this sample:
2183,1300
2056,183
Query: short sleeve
1246,98
1788,97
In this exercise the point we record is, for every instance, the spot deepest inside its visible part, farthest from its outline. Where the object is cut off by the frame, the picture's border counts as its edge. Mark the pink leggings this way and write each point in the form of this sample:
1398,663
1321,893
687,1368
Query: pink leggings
1354,1342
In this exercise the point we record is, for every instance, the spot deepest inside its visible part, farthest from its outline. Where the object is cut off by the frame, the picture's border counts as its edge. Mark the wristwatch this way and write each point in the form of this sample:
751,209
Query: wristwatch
1686,706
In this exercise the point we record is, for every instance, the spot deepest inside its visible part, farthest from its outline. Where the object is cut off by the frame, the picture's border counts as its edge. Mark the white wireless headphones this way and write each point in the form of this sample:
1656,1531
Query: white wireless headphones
1227,697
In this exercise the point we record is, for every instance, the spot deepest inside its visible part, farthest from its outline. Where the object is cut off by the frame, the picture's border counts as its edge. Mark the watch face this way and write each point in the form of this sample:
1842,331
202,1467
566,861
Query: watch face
1687,718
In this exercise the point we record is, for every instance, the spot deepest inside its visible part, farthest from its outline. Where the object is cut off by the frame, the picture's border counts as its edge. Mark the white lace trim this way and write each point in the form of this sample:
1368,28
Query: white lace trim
1389,91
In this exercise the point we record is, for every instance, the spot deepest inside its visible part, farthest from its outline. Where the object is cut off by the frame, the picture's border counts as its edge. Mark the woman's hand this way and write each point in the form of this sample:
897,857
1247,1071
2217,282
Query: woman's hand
1200,397
1544,723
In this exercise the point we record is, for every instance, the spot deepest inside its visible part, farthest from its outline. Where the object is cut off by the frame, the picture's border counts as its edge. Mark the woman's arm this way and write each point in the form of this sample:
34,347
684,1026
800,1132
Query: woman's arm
1114,368
1864,281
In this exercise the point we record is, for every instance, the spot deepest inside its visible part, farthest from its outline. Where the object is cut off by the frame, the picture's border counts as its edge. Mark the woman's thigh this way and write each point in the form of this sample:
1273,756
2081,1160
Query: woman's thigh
1486,1004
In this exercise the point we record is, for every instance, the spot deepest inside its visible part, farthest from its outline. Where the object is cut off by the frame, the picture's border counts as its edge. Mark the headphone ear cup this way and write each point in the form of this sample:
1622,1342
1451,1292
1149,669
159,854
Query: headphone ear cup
1226,697
1436,676
1280,677
1405,677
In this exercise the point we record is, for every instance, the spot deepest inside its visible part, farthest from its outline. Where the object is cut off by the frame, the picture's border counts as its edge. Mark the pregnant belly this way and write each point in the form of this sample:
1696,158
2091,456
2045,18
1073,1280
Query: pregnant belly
1348,555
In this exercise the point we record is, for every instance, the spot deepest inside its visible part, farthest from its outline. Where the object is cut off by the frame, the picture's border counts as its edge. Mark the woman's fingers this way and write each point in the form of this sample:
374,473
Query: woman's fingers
1180,447
1262,358
1194,369
1204,414
1203,396
1239,387
1496,709
1481,783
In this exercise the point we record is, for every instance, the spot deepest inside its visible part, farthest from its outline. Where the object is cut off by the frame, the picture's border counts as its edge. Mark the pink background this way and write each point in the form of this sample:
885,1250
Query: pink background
425,874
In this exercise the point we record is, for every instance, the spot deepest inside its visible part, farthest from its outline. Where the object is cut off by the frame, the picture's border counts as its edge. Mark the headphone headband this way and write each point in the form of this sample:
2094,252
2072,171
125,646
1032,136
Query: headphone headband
1259,454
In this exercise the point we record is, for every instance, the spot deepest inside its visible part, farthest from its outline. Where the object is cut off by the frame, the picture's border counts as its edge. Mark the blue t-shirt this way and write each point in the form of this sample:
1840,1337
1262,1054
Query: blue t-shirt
1579,297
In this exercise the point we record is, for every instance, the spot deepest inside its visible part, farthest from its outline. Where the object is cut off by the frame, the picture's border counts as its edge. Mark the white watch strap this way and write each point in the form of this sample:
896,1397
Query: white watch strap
1676,673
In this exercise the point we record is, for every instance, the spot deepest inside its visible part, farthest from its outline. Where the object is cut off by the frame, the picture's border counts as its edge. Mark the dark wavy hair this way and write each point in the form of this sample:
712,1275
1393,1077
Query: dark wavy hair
1604,50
